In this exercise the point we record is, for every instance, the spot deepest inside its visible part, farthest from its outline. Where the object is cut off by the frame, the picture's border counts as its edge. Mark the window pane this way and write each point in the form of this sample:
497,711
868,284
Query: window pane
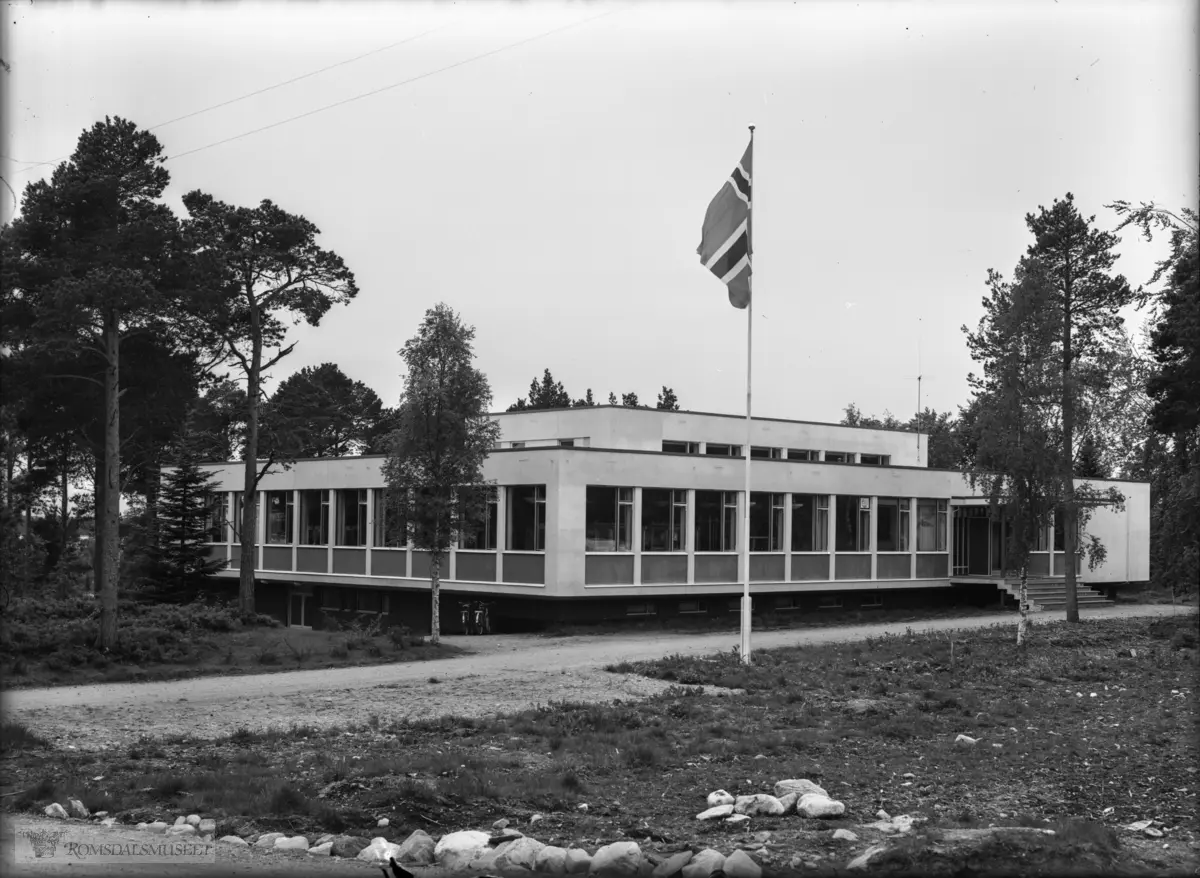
527,518
314,518
905,524
803,522
852,525
664,518
709,507
481,533
600,519
279,514
887,525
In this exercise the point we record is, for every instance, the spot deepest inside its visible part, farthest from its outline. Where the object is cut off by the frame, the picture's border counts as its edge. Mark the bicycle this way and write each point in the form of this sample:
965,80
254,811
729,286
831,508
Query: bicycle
466,609
483,624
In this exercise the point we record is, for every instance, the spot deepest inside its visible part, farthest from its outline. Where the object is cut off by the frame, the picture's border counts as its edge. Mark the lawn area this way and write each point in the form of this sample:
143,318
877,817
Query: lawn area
1094,727
49,643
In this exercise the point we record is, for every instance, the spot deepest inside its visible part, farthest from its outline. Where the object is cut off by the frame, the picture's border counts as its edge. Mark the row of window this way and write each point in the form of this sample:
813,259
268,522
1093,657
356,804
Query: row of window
609,521
867,600
761,452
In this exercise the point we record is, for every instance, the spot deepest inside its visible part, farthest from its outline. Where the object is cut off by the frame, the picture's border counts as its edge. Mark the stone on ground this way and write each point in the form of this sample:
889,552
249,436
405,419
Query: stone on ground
817,805
737,818
864,859
520,854
578,861
267,839
739,865
321,850
295,843
799,785
348,846
455,850
417,849
56,810
965,741
618,858
551,859
704,864
156,826
192,820
180,821
234,840
715,812
182,829
719,797
759,803
77,808
329,836
207,825
673,865
789,801
844,835
378,852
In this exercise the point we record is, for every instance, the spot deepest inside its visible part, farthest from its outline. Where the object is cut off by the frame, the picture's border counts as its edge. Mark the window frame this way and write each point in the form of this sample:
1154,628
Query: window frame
348,498
861,518
676,527
803,454
322,516
730,449
288,513
765,452
489,527
902,508
538,501
687,447
727,522
776,516
622,523
819,525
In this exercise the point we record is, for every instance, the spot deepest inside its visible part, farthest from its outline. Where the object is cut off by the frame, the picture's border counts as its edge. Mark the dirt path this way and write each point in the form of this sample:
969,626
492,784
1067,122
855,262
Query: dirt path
504,673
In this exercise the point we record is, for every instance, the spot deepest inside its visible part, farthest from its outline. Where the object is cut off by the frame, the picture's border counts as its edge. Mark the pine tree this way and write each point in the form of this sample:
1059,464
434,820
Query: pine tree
185,506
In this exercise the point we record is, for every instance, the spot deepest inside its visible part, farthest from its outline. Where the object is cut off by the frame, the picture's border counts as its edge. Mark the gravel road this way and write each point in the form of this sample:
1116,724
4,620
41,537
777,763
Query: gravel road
503,673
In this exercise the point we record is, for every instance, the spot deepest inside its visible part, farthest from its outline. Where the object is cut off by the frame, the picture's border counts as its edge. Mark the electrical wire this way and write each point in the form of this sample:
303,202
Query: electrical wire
376,91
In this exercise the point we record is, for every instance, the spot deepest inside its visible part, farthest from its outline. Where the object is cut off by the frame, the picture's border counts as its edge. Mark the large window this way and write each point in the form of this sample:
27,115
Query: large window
852,532
874,459
931,525
1060,534
801,454
810,522
608,519
891,524
352,517
481,534
314,518
721,450
235,523
215,526
391,527
664,520
760,452
527,518
839,457
766,522
281,514
672,446
716,521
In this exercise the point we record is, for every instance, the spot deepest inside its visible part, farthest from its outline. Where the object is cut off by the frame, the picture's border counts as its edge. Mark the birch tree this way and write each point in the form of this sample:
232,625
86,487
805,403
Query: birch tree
434,471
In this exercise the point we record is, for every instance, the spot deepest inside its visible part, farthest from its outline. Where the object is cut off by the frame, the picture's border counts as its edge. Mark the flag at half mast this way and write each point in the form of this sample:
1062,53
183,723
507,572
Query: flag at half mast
725,241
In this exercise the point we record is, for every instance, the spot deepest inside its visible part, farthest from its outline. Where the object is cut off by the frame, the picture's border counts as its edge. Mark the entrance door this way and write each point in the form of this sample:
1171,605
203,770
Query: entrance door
298,611
997,553
978,563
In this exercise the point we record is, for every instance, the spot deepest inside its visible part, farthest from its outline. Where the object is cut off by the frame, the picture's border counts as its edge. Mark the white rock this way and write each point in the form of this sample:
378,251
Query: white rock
417,849
142,826
56,810
206,837
844,835
800,785
501,823
192,820
180,821
109,821
234,840
817,805
520,854
739,865
618,858
267,839
182,829
789,801
295,843
672,866
157,826
965,741
883,815
207,825
759,803
535,818
737,818
382,822
861,861
99,814
719,797
455,850
329,836
321,850
378,851
715,812
77,808
703,864
578,861
551,859
582,806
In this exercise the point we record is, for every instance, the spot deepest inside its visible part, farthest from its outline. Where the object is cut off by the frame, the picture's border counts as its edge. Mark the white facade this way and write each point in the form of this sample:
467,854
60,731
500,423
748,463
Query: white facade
888,525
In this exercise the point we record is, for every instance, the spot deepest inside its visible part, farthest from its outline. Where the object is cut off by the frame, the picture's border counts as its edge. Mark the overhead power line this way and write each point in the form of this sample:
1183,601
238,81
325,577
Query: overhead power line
384,88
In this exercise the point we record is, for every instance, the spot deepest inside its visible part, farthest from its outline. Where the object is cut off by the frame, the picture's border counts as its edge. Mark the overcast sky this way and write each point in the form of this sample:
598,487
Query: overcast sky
551,184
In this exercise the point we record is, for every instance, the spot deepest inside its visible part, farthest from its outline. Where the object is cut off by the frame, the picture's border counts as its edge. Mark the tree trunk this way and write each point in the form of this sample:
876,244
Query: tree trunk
435,581
110,557
250,478
1023,621
153,489
98,527
1070,513
65,511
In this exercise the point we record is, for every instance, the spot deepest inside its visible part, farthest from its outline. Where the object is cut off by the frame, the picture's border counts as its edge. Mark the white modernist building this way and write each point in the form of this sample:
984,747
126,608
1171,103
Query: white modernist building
608,511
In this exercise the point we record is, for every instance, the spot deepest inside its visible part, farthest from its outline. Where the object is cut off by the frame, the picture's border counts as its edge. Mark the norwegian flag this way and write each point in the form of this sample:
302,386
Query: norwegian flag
725,240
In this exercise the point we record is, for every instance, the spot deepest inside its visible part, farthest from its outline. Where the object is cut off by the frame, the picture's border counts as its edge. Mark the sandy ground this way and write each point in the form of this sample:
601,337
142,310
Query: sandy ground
504,673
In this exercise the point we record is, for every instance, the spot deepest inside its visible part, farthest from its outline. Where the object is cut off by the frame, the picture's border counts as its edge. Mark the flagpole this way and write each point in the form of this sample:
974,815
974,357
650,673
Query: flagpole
749,366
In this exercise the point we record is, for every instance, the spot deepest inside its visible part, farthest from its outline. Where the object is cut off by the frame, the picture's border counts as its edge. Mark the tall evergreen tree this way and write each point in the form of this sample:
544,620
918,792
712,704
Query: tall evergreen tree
185,511
667,401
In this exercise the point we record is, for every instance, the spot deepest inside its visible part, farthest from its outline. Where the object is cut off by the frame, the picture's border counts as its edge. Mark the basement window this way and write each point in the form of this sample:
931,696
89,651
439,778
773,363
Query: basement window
872,600
787,602
829,602
693,607
639,610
